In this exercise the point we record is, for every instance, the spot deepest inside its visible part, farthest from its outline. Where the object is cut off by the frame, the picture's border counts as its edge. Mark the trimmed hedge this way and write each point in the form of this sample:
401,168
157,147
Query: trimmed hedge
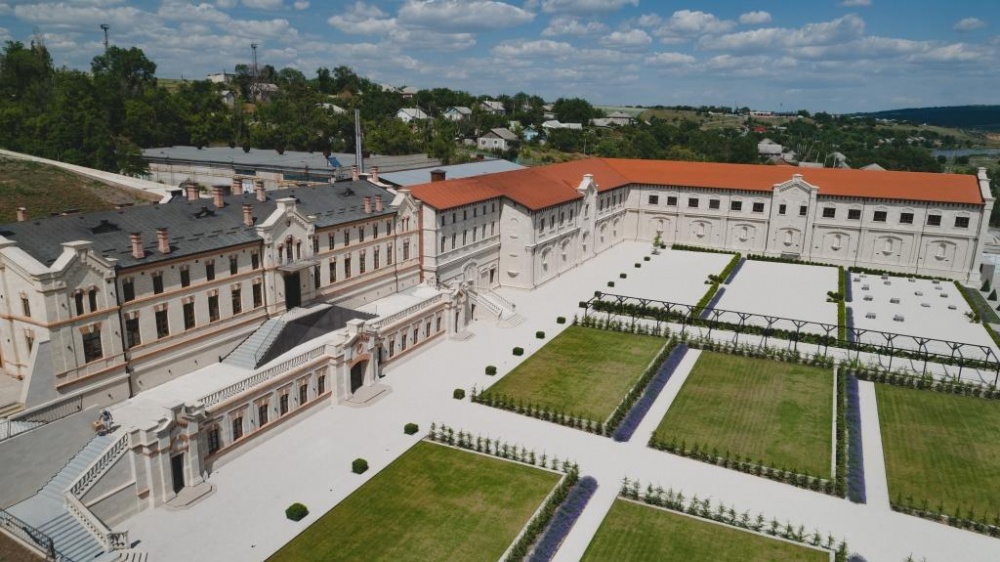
638,265
359,466
519,351
491,370
296,511
645,258
540,335
561,320
689,248
623,275
611,283
458,394
411,428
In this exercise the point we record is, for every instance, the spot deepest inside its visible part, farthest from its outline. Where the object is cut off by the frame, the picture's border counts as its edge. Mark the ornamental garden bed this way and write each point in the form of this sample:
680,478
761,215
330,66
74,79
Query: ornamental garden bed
632,531
754,411
583,372
942,455
432,503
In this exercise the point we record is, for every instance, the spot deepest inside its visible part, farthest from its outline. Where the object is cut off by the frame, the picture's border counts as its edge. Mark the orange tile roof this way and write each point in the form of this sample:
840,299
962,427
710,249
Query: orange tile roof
545,186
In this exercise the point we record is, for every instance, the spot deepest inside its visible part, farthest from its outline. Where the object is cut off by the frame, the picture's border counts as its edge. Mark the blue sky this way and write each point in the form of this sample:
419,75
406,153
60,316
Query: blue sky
832,55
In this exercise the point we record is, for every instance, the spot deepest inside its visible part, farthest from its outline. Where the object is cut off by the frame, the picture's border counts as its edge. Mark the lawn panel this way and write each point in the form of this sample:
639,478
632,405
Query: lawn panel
584,371
632,532
780,413
433,503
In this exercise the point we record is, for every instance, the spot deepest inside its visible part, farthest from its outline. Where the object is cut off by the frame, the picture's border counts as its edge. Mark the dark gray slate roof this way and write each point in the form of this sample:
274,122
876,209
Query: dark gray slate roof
193,226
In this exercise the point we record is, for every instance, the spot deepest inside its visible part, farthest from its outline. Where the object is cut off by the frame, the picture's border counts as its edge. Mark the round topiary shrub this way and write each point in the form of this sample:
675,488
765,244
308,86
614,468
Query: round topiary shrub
519,351
638,265
296,511
623,275
540,335
611,283
645,258
359,466
491,370
458,394
411,428
561,320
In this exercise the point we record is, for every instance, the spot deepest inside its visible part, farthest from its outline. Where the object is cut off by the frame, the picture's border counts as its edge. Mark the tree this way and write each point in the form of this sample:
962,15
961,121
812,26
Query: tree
574,110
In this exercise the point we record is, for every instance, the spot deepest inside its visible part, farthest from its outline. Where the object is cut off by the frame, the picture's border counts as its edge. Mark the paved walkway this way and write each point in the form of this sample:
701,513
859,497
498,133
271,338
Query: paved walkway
876,483
308,459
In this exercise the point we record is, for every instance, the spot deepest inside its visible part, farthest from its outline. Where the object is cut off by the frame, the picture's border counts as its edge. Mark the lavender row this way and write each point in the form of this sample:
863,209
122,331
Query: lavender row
855,456
711,304
562,523
642,406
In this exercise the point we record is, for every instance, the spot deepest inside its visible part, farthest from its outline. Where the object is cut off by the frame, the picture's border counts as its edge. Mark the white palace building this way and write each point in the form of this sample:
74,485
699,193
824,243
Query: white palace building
232,313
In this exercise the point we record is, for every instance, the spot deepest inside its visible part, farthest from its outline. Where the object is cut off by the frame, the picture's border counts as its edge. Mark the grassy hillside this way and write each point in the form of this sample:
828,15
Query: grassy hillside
45,190
975,117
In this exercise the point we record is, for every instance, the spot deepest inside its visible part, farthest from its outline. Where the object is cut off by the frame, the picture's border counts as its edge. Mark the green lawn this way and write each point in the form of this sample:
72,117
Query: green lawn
633,532
780,413
584,371
433,503
941,448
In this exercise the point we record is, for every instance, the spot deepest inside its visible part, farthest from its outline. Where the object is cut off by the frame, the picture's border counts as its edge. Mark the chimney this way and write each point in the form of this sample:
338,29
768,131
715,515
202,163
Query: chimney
237,186
192,191
258,187
378,203
248,214
368,204
162,240
22,214
136,240
217,199
374,174
438,175
354,173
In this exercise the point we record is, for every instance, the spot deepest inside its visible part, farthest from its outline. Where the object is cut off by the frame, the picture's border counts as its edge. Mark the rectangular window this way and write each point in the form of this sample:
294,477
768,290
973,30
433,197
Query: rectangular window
317,279
782,209
162,324
347,267
474,233
258,295
803,210
92,299
388,254
303,393
654,199
237,427
388,227
416,335
320,384
392,347
375,259
283,404
713,204
132,336
315,241
362,263
333,270
234,264
933,220
402,342
238,299
454,236
443,240
347,237
693,202
437,324
442,220
92,346
736,205
671,201
157,283
906,218
406,250
374,230
78,301
189,321
361,233
128,291
854,214
185,276
330,241
254,260
880,216
961,222
213,440
262,414
829,212
758,207
213,308
210,270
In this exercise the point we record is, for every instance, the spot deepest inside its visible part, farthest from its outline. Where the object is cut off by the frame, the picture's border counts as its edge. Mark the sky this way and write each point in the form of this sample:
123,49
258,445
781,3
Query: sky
820,55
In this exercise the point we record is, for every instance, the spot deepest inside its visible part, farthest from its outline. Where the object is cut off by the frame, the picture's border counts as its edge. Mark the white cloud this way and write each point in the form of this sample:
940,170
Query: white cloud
275,29
649,20
970,24
264,4
669,59
462,15
363,19
627,39
226,3
856,3
301,4
755,18
541,48
73,14
839,30
562,25
684,24
5,10
585,6
183,11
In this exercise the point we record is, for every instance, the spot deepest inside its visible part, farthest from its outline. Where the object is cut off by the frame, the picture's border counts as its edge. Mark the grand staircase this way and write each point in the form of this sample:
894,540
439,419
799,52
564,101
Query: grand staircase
500,308
249,353
47,512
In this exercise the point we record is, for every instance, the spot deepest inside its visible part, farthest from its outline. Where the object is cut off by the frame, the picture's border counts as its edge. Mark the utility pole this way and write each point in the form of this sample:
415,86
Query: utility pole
358,154
105,27
253,73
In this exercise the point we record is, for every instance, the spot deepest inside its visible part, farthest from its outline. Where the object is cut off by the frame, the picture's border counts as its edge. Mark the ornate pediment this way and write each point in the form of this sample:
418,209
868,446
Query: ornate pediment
796,184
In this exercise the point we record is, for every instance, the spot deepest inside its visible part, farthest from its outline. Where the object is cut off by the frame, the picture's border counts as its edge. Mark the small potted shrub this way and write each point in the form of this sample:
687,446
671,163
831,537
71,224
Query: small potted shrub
540,335
359,466
296,511
611,283
491,370
645,258
638,265
623,275
519,351
561,320
411,428
458,394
